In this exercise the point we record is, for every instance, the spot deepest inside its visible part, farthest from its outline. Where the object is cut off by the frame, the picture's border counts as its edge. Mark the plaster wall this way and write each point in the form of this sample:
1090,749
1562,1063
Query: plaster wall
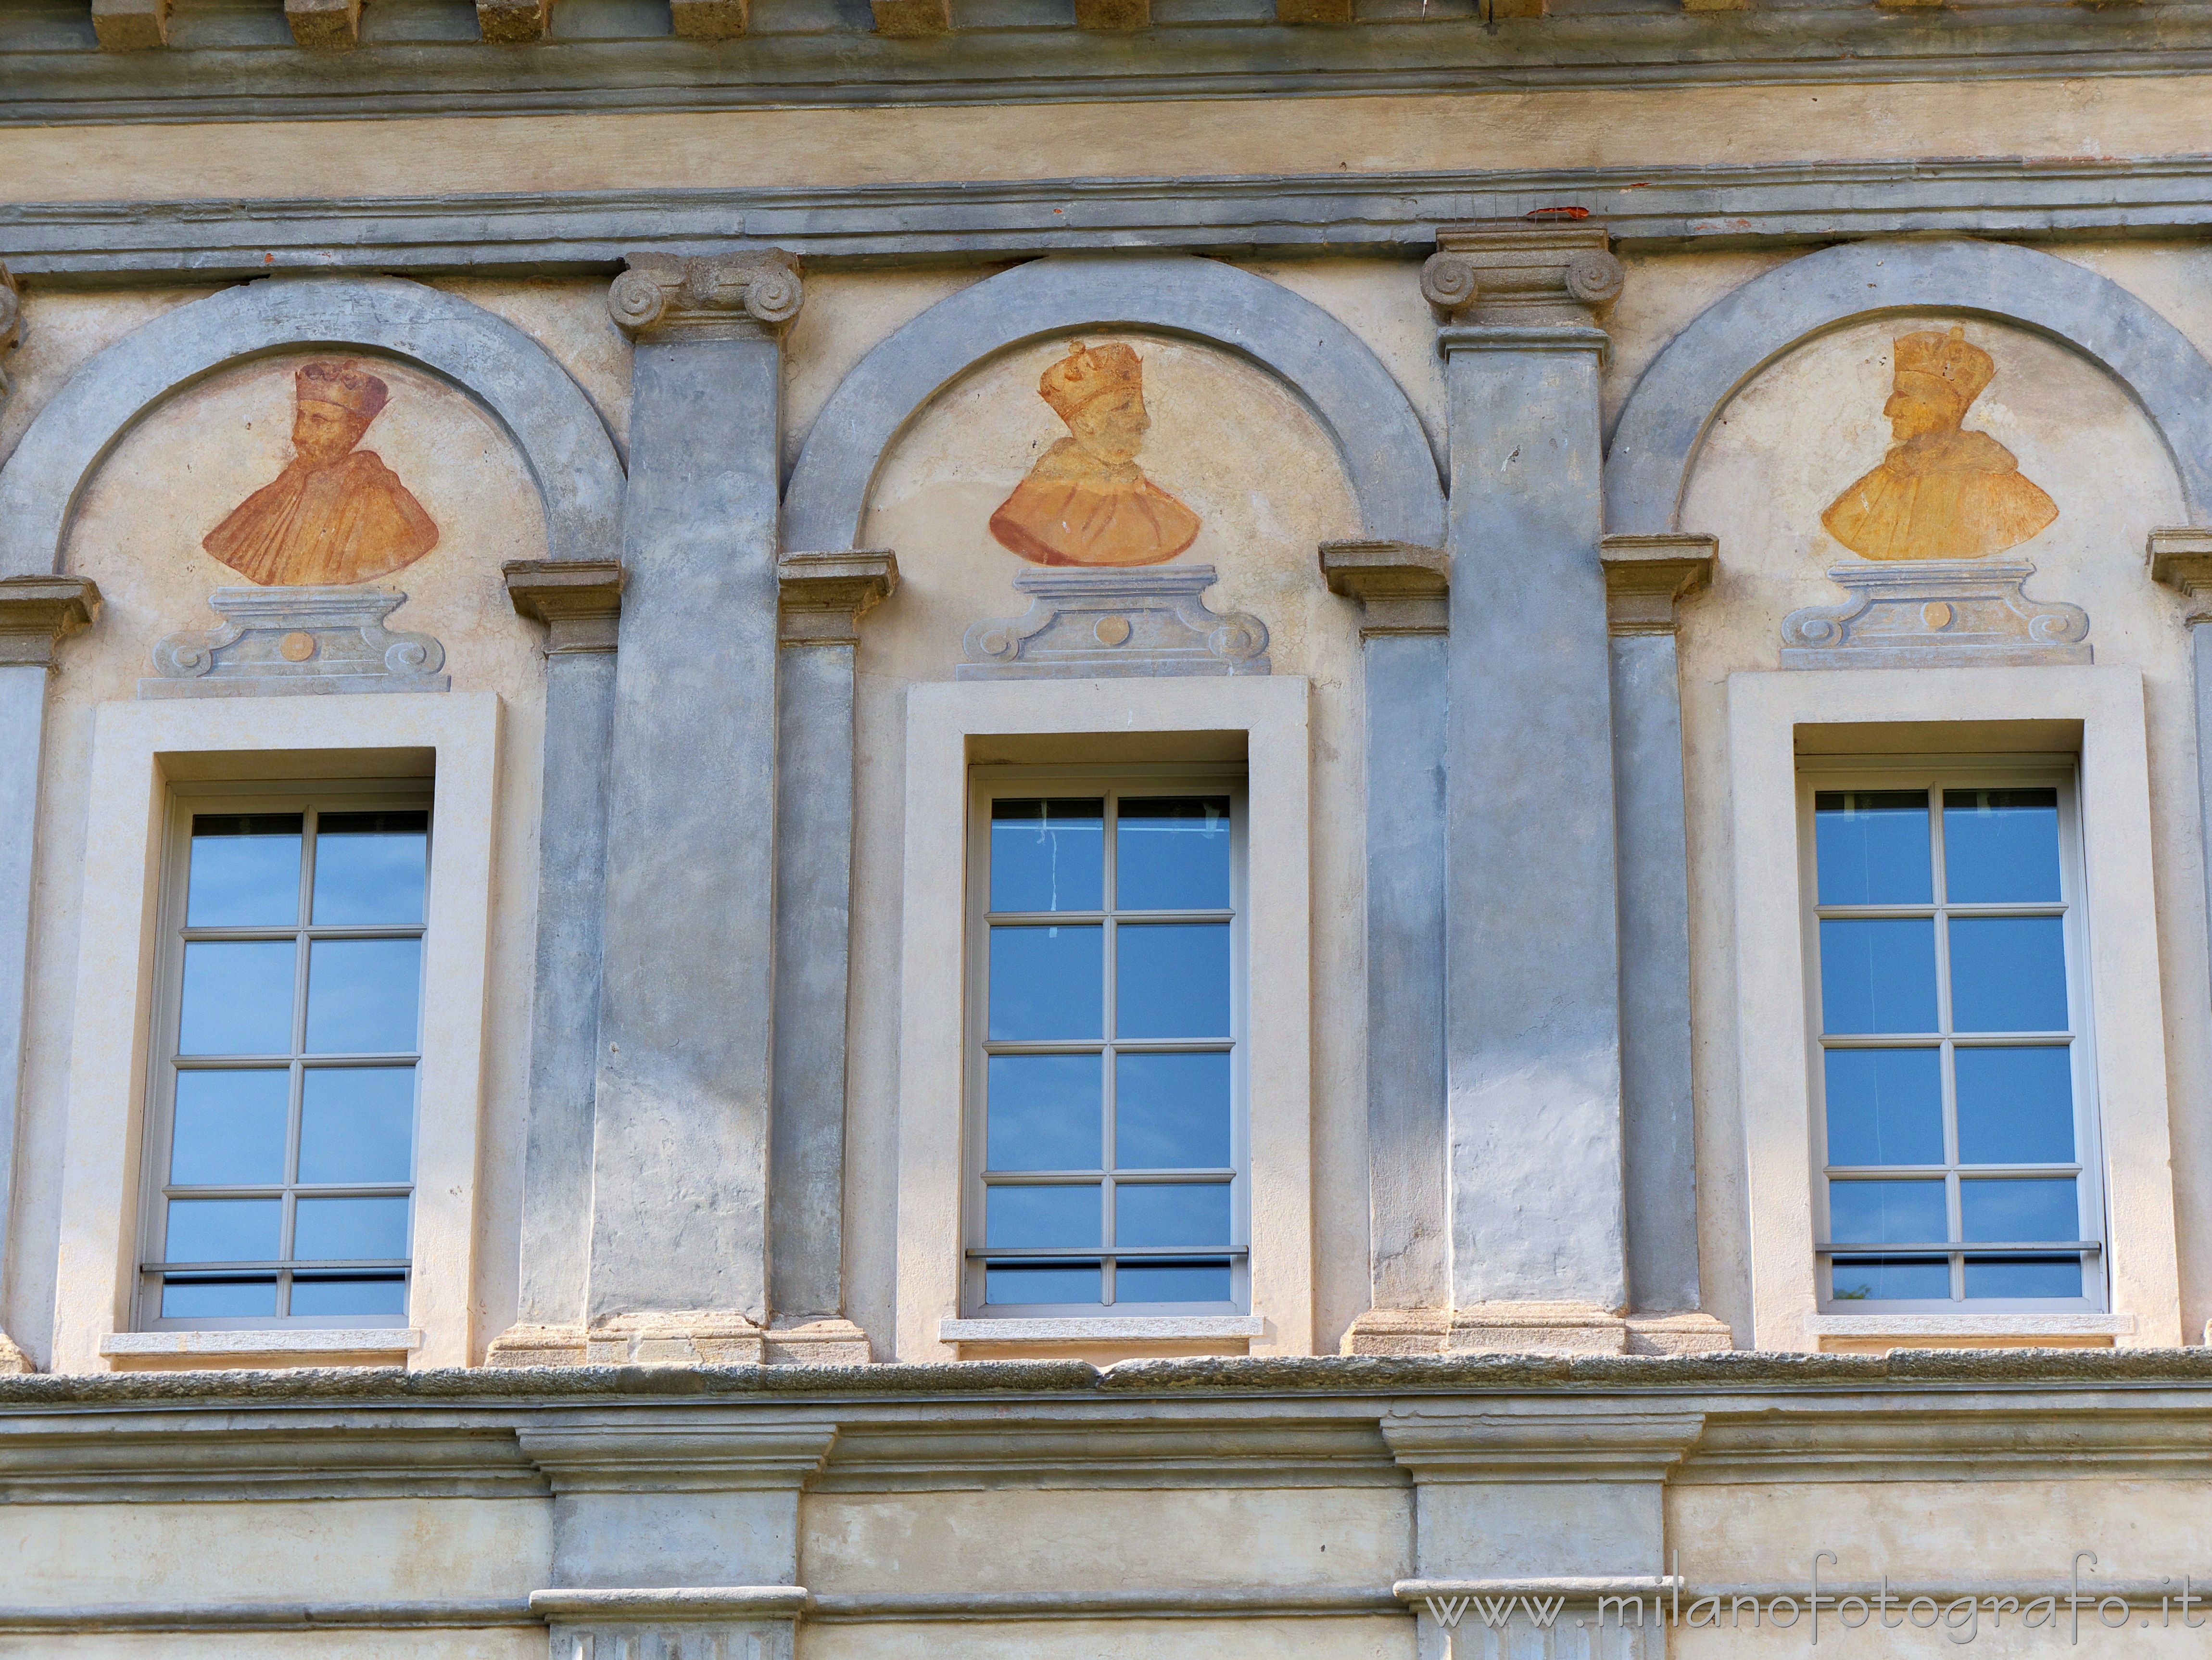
1509,130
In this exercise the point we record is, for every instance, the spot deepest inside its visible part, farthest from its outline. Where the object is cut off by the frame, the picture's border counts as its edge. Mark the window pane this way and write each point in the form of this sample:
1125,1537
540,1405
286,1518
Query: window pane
245,871
197,1298
1871,847
1171,980
1048,981
339,1230
2023,1276
1878,975
1890,1279
1147,1282
363,996
230,1128
1171,853
1063,1214
237,998
2000,846
224,1230
357,1124
1171,1111
1041,1282
1044,1113
369,866
1048,855
1885,1106
349,1293
1171,1213
2028,1211
2015,1106
1876,1213
2008,974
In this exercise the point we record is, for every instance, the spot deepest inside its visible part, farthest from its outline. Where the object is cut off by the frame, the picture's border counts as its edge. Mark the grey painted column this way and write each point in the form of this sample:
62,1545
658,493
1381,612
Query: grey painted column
1645,575
678,1268
1403,593
35,613
2182,558
580,602
1533,1023
824,595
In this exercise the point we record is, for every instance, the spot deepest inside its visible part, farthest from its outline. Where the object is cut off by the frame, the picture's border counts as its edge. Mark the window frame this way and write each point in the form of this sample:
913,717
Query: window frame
1935,774
989,781
188,800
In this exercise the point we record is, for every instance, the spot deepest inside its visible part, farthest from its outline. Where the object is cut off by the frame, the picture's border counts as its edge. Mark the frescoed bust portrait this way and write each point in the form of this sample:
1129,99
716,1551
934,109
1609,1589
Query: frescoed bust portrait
1086,502
1941,492
336,514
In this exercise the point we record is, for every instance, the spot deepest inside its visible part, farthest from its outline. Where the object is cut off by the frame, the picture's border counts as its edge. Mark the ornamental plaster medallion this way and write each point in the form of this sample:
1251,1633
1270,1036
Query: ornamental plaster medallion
1086,502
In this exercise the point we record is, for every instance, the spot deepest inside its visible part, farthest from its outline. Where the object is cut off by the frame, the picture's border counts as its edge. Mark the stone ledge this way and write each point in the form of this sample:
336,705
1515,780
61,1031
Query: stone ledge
374,1339
1971,1325
1105,1329
676,1603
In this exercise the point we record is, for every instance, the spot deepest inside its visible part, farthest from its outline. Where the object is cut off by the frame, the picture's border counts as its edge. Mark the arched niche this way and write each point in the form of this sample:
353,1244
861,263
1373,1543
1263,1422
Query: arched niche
1385,453
559,436
1665,421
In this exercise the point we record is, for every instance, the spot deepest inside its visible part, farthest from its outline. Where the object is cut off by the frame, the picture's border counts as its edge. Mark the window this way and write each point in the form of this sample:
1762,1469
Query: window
1106,1073
1955,1131
281,1165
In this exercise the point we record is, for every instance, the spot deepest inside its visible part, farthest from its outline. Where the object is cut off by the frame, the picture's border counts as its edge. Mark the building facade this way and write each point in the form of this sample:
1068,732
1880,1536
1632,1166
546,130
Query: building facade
837,830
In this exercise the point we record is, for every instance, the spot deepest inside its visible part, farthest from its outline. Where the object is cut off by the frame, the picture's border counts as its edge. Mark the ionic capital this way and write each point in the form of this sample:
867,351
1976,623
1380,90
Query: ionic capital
824,595
579,601
1401,589
706,297
1512,272
37,612
1645,575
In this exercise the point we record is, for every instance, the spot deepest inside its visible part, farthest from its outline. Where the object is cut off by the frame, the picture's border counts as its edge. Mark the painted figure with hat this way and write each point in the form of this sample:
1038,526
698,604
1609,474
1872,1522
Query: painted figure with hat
1941,492
1086,502
336,514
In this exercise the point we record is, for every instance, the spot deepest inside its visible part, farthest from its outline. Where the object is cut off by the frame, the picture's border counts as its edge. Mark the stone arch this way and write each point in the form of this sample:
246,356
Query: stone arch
1662,426
561,437
1386,452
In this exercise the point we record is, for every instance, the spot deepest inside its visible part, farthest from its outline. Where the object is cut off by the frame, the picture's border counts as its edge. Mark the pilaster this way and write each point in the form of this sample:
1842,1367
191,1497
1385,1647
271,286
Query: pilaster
580,602
822,596
1645,578
1533,1007
1404,596
679,1225
36,614
2182,558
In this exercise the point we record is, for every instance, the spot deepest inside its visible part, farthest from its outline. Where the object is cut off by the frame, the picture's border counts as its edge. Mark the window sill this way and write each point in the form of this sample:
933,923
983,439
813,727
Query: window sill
1970,1325
288,1340
1107,1328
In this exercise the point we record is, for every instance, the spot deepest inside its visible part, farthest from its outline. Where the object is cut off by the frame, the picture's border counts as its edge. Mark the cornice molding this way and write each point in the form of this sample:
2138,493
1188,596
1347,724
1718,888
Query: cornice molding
822,596
676,1458
590,232
37,613
1646,575
221,66
579,601
1439,1444
706,296
1400,588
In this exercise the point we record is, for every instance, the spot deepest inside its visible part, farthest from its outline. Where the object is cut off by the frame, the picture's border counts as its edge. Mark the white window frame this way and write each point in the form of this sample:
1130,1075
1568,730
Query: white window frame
1935,775
187,802
991,782
140,752
1776,719
954,726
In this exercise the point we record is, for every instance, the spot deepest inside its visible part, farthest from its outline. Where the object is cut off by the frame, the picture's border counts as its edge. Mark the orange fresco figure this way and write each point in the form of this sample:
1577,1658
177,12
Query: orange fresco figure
1941,493
335,514
1086,502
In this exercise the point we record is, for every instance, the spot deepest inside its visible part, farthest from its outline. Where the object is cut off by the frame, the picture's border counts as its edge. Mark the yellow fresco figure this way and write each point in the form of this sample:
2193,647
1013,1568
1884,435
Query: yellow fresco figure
335,514
1086,502
1941,493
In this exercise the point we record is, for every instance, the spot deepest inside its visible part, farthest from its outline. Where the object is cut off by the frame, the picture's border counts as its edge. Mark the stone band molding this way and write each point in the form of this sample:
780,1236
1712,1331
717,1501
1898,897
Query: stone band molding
1386,453
579,601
